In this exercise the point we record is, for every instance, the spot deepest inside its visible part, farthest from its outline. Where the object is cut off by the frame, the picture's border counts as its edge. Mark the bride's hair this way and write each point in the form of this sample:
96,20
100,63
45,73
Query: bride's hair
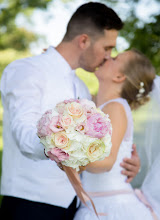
92,19
139,74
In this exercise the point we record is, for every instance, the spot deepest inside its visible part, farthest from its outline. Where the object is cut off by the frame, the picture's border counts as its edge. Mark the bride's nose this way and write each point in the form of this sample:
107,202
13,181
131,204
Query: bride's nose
107,57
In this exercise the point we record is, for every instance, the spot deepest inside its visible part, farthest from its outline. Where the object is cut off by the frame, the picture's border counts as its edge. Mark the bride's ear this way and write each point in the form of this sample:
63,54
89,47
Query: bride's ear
84,41
119,78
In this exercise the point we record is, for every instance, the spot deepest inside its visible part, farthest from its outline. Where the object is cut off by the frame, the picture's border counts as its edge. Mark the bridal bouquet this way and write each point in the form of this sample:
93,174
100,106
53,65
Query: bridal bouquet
76,132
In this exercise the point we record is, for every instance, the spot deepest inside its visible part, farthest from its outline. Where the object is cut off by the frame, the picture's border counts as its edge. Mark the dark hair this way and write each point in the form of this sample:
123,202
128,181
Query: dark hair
92,19
137,70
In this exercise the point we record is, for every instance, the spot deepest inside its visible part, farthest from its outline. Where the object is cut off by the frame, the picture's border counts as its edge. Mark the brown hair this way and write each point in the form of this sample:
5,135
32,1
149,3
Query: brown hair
138,70
92,18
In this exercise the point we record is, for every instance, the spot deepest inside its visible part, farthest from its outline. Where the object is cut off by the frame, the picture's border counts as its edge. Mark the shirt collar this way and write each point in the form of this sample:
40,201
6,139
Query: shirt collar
62,64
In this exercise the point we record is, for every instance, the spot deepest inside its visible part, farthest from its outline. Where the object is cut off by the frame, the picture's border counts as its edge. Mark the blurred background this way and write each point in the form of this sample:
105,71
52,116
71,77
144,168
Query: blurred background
29,26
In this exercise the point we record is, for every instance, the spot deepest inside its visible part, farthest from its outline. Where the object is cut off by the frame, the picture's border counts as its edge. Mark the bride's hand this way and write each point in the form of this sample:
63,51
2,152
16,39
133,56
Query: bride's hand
131,165
81,169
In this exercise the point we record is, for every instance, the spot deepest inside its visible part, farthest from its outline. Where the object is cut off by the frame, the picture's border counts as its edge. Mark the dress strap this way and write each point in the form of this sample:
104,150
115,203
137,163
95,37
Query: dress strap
120,100
129,131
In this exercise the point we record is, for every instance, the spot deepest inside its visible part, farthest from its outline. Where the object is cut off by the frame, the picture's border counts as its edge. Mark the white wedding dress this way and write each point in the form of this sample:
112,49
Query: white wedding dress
120,206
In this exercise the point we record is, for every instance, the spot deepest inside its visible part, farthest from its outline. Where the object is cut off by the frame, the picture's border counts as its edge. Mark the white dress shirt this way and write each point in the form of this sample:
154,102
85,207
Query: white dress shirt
29,87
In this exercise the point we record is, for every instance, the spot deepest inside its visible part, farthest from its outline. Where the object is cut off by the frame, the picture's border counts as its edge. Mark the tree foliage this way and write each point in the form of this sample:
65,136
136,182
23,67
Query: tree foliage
144,36
10,35
139,34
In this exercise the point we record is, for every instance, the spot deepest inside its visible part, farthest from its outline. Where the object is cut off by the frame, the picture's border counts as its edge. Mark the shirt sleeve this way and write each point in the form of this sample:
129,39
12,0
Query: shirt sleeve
22,89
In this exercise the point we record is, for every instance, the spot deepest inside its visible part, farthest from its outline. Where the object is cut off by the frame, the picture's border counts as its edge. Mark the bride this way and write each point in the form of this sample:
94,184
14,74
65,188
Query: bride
125,82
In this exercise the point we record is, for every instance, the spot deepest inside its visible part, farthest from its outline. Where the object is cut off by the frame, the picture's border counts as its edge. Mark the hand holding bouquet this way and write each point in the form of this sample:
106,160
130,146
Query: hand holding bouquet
76,132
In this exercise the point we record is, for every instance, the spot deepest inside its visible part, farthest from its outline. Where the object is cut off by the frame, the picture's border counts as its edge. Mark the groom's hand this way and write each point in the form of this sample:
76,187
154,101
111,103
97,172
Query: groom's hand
131,165
53,157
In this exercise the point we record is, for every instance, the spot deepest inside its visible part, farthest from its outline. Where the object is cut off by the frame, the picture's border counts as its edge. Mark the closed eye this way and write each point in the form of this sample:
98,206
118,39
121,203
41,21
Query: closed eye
108,48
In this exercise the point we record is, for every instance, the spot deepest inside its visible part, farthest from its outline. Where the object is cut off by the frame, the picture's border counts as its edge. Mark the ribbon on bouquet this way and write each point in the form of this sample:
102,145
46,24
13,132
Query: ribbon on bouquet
74,178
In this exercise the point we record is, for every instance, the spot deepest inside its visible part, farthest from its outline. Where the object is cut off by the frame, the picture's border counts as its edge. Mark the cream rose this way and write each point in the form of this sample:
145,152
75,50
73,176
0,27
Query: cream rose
74,109
96,150
61,140
66,121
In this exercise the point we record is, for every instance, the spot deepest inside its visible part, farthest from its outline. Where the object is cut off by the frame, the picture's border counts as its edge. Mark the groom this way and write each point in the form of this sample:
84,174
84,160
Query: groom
33,186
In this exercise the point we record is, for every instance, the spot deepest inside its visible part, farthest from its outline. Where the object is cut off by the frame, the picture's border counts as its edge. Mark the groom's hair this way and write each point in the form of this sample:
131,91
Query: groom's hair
92,19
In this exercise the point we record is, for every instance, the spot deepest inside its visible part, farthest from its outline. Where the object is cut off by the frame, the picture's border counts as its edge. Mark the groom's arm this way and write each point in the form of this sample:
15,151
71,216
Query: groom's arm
131,165
22,90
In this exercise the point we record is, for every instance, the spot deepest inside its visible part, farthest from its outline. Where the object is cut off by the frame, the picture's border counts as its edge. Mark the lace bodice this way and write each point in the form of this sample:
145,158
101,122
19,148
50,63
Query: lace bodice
113,180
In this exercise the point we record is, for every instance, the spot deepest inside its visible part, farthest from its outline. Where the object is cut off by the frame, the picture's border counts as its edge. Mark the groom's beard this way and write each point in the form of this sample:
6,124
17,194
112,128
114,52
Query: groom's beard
88,60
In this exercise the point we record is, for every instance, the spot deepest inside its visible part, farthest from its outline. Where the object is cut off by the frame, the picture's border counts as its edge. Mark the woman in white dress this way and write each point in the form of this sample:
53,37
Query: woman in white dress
125,82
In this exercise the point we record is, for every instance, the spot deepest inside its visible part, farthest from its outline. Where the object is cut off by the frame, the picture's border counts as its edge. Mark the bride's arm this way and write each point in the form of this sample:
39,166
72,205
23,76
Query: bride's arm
118,118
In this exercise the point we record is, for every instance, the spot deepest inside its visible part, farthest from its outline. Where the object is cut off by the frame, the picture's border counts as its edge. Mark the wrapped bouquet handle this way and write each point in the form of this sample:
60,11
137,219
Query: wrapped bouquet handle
74,178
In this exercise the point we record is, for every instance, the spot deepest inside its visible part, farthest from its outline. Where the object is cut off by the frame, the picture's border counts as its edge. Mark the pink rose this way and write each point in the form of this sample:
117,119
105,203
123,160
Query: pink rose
81,128
43,124
89,111
60,107
71,100
55,124
60,154
86,102
89,107
97,126
61,140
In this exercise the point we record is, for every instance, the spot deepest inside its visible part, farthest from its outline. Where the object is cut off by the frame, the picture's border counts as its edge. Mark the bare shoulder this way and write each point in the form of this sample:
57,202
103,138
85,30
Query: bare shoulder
113,106
115,110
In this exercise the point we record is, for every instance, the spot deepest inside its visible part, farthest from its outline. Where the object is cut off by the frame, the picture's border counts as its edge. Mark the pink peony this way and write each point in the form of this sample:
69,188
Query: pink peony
97,126
43,124
60,154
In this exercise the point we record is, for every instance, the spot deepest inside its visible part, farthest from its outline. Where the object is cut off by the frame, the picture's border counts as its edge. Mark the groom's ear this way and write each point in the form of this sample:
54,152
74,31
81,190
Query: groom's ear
84,41
119,77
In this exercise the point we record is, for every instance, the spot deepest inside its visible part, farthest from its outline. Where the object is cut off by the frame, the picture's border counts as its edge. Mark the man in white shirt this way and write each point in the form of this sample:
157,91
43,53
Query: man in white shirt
33,186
